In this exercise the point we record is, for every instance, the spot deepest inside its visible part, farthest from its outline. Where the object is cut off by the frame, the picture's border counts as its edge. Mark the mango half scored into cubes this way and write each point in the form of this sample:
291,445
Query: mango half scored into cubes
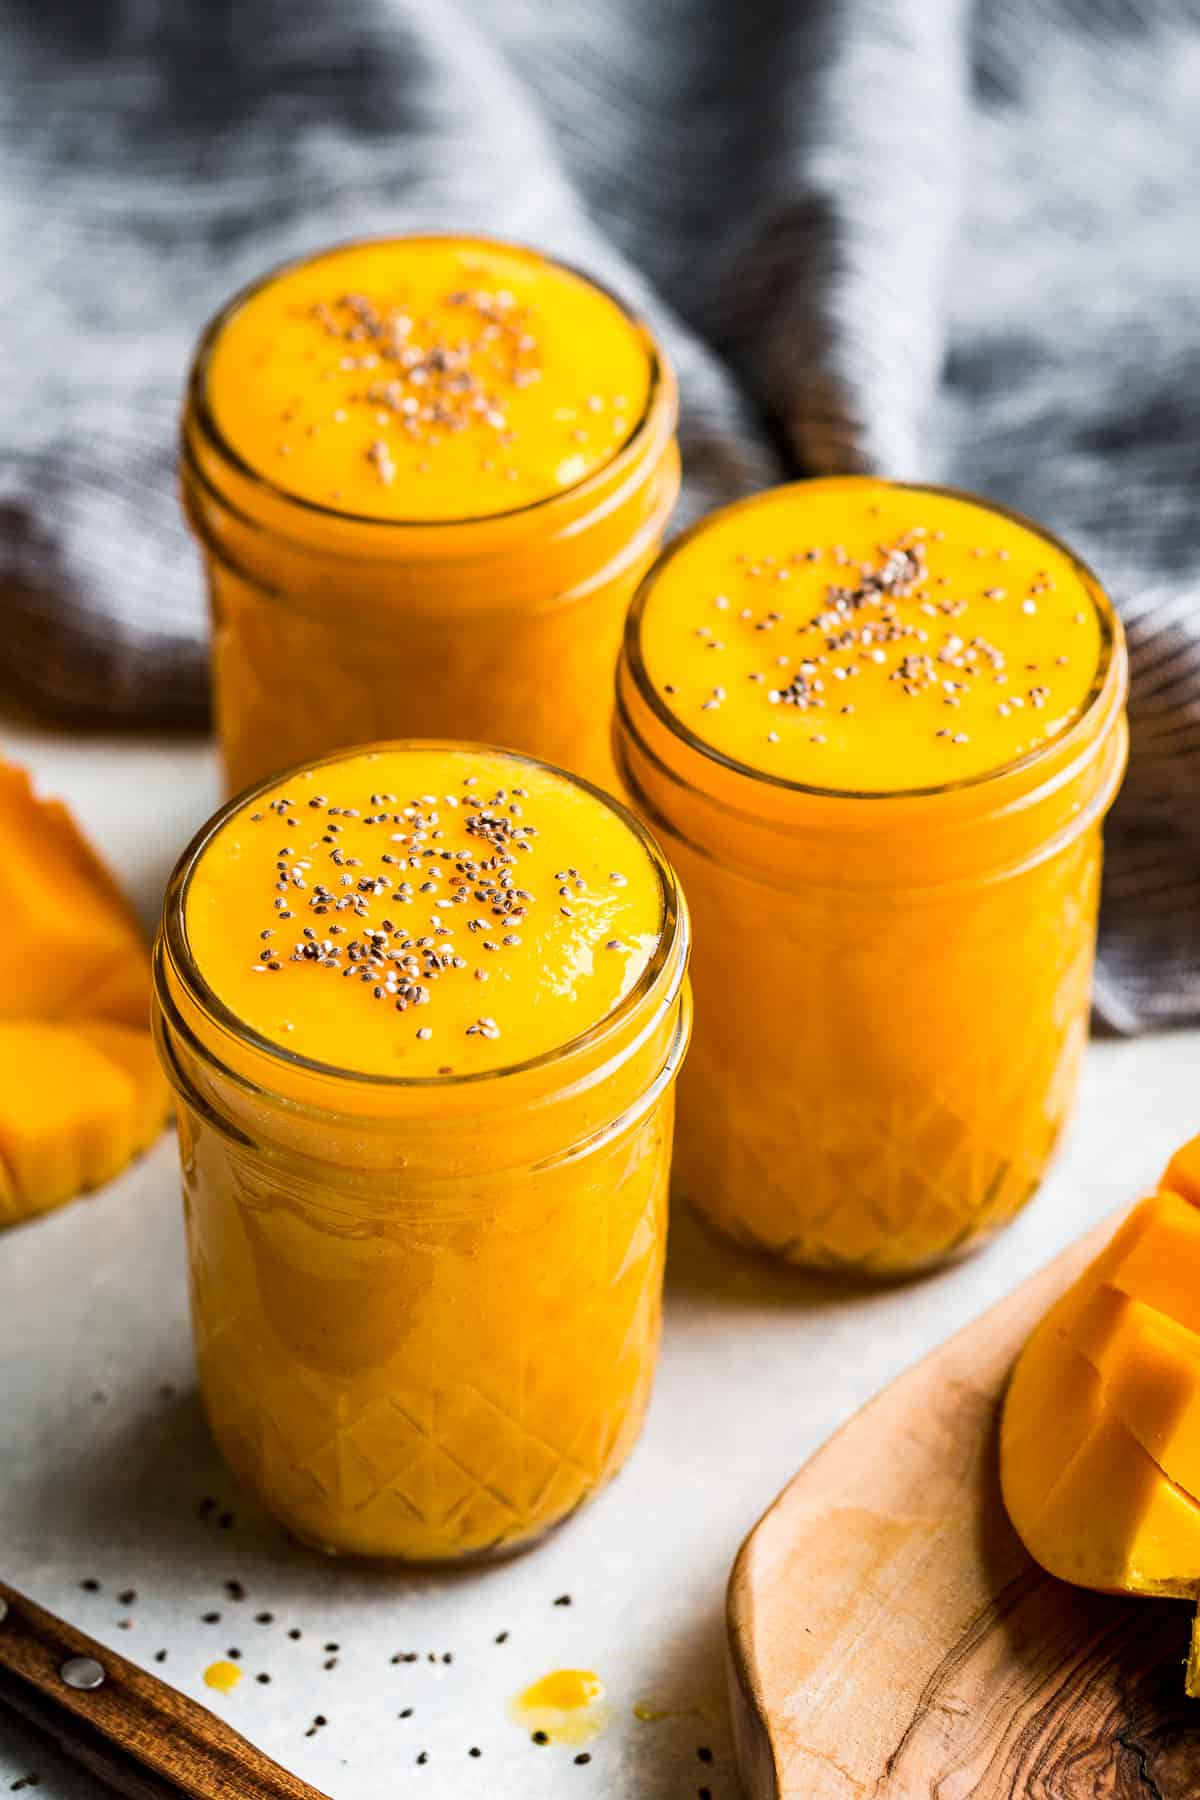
1100,1435
81,1092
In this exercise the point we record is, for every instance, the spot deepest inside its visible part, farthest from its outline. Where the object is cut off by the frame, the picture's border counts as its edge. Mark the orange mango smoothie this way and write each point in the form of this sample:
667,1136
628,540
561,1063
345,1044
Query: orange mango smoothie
427,474
423,1006
877,727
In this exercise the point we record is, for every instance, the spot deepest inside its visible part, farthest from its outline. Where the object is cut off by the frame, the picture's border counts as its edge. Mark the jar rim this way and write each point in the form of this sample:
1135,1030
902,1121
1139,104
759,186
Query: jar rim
682,734
671,949
201,409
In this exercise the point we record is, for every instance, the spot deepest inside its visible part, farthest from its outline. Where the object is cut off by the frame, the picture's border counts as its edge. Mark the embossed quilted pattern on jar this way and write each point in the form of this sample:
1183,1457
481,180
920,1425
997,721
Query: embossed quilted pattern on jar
337,1372
841,1111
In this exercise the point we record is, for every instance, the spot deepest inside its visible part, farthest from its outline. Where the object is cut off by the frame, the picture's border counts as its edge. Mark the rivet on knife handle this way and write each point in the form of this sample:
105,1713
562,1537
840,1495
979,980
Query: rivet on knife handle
82,1672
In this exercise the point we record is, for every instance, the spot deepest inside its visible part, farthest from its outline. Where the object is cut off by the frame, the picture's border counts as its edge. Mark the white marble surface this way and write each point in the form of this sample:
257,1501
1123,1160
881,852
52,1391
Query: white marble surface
105,1453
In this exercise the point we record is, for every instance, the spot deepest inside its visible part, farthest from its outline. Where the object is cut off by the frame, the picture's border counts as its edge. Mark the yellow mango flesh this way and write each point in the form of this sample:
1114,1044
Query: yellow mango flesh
1160,1264
132,1052
67,928
1049,1382
1113,1521
1100,1435
80,1090
1182,1173
66,1112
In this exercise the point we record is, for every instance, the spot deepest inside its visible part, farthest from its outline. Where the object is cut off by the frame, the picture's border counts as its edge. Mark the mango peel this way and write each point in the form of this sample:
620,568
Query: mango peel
1100,1432
81,1092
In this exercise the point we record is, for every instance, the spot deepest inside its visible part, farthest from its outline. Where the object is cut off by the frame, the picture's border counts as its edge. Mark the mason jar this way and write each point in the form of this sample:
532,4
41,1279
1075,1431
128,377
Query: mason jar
426,1306
371,571
892,987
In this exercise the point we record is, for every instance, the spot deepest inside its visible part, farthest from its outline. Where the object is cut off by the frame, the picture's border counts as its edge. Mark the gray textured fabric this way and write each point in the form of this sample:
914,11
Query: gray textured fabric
924,237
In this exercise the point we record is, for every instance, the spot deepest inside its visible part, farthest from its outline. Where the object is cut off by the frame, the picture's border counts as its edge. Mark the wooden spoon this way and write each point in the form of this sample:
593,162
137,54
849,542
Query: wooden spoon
891,1640
136,1734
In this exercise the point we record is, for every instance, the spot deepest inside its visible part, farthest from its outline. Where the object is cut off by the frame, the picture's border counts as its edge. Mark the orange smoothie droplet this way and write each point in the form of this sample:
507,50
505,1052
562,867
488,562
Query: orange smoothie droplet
224,1676
565,1707
649,1712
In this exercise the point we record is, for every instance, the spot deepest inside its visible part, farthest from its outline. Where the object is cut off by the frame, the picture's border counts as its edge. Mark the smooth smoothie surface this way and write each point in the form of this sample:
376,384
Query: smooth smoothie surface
423,912
429,379
862,637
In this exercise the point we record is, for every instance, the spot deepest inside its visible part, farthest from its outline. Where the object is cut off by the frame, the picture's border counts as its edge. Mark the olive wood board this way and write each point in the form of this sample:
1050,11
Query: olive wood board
890,1639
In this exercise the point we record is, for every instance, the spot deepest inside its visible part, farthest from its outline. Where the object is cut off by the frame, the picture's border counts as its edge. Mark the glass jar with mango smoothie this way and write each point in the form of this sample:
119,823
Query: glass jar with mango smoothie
877,728
427,474
423,1007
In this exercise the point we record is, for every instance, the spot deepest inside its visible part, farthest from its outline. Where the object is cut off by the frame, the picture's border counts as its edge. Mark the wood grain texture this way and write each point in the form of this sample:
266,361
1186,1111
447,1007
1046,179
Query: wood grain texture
890,1639
135,1733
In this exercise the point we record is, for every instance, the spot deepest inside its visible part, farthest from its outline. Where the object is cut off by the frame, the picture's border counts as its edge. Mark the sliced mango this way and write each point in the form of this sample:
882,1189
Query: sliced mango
1160,1262
80,1090
66,926
1149,1370
9,1203
1182,1173
66,1111
120,993
1100,1434
1054,1398
1112,1521
132,1052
